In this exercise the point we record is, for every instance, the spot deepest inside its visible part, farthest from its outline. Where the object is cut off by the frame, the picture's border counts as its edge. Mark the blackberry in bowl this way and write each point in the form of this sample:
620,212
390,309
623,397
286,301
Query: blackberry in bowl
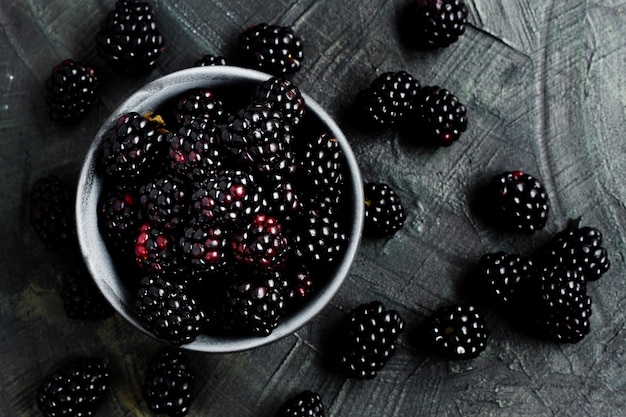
253,231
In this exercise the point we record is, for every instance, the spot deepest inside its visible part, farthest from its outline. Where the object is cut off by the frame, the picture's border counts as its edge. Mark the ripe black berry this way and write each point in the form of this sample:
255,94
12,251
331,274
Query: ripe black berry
156,250
318,238
200,104
438,23
284,96
75,389
442,117
169,383
82,300
204,246
501,278
389,99
369,339
52,211
274,49
519,202
210,60
304,404
165,201
71,90
384,212
129,38
457,332
261,245
120,217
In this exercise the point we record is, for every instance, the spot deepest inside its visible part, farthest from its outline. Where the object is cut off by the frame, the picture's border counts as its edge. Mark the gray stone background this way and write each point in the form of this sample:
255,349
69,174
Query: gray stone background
544,82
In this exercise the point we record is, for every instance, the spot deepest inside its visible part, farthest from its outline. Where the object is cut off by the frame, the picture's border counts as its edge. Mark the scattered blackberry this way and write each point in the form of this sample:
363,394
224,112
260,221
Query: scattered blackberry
227,196
169,384
389,99
251,305
71,90
457,332
321,171
501,277
438,23
259,137
74,389
578,248
200,104
274,49
82,300
129,38
165,201
519,201
120,218
384,213
204,246
441,115
133,148
261,245
167,311
318,238
156,250
194,149
304,404
561,306
369,339
284,96
52,211
210,60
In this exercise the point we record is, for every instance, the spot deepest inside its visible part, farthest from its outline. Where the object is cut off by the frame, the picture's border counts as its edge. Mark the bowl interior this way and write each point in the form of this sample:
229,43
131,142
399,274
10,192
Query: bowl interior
94,249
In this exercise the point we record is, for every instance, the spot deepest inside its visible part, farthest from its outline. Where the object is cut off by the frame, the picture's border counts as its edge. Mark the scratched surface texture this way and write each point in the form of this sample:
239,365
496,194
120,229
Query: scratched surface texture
544,82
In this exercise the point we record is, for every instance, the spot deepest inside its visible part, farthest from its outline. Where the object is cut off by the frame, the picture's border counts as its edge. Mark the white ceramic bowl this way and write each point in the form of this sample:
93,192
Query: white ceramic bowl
95,252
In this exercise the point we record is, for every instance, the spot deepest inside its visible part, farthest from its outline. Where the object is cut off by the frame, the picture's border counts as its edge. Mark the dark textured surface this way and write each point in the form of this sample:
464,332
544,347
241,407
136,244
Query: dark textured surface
545,88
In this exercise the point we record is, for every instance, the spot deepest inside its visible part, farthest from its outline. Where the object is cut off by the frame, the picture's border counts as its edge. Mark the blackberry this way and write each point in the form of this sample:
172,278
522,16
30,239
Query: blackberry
75,389
284,96
210,60
260,138
321,172
305,404
251,305
200,104
167,311
281,200
369,339
120,217
71,90
274,49
82,300
578,248
133,148
319,238
169,383
52,212
261,245
501,277
156,250
298,284
519,201
564,326
389,99
165,201
438,23
559,289
227,196
129,38
457,332
194,149
442,117
384,212
204,246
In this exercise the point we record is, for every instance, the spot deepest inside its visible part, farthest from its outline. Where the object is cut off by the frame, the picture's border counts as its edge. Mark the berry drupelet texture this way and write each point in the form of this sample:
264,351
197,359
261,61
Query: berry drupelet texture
82,300
501,278
274,49
200,104
282,95
384,212
318,238
156,250
165,201
75,389
169,383
204,247
442,117
209,60
71,91
260,245
305,404
120,217
369,340
519,202
52,212
129,38
389,99
457,332
167,311
438,23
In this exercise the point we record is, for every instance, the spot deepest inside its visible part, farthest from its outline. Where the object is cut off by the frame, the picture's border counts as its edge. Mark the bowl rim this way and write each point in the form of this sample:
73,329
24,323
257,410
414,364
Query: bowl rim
89,188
